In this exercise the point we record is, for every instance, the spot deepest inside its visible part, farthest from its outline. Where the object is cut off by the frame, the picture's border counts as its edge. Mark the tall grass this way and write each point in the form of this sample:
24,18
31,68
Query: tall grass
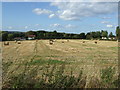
55,77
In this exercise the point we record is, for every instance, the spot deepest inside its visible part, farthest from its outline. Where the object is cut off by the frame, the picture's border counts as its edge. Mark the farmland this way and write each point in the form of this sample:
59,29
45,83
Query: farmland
32,57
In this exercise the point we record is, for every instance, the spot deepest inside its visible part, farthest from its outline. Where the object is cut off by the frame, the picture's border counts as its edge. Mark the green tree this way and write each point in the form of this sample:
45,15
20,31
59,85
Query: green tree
40,34
98,34
111,34
118,32
10,37
4,35
29,33
93,34
82,36
19,34
104,34
88,36
76,36
55,34
0,35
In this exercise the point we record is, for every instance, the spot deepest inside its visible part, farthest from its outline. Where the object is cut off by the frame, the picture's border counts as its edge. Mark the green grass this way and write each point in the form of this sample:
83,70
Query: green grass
115,47
6,65
103,61
89,48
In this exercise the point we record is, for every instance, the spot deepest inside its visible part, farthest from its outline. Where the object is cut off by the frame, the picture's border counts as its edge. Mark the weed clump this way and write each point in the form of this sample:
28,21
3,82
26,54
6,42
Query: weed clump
107,77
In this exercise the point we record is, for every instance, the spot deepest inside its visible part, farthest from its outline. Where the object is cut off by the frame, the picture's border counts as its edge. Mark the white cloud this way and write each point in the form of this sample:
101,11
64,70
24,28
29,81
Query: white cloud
40,11
60,0
109,26
70,26
78,10
10,27
106,17
55,25
67,15
105,22
26,27
51,15
36,24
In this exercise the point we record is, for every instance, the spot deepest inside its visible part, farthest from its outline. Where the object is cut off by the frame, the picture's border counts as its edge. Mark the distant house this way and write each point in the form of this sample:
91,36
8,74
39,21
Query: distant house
104,38
112,38
19,38
31,37
23,38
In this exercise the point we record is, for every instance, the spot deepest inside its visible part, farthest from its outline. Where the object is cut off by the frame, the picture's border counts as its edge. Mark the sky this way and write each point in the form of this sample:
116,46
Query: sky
69,17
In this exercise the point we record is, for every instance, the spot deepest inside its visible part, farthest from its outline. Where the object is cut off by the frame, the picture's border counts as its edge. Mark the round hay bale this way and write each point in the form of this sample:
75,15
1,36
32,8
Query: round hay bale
95,42
51,40
6,43
19,42
15,41
50,43
83,42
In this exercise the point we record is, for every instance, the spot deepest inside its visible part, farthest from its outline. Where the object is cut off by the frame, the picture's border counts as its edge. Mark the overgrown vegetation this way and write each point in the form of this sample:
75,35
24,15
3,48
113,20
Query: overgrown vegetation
55,77
107,76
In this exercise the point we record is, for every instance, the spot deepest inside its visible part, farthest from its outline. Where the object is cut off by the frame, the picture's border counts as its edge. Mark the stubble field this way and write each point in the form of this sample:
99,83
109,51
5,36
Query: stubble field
34,56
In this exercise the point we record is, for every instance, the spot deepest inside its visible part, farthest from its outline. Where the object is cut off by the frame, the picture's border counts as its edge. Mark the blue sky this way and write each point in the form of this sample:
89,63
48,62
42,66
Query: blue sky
63,16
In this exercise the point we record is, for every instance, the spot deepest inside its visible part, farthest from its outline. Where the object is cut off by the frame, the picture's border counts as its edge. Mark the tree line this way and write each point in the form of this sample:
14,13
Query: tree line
9,35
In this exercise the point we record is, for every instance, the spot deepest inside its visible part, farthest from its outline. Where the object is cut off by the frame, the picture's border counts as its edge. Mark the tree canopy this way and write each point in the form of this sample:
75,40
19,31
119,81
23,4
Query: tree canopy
118,32
6,35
